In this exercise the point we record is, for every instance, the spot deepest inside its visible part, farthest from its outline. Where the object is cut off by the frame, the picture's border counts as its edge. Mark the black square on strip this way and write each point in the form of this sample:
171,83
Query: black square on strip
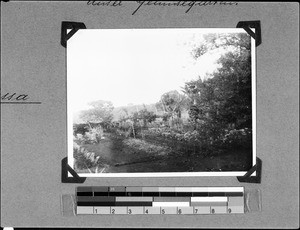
150,193
200,193
170,194
84,193
185,194
91,203
234,194
134,193
100,193
216,194
128,203
117,193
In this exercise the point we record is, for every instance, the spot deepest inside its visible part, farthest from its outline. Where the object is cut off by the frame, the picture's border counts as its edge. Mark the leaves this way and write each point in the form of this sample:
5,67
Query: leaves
224,100
234,41
173,103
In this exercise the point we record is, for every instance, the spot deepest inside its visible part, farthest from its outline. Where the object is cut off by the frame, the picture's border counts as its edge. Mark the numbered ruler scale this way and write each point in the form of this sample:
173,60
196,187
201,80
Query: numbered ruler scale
159,200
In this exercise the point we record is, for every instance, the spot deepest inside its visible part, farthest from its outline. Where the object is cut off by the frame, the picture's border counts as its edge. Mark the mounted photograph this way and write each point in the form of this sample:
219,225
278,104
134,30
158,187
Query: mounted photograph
161,102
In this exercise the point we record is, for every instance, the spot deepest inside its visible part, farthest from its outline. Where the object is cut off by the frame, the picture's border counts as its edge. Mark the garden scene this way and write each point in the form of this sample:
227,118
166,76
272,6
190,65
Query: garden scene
204,125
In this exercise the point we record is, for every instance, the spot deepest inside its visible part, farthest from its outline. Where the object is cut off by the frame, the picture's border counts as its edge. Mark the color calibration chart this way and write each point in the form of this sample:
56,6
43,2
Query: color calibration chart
159,200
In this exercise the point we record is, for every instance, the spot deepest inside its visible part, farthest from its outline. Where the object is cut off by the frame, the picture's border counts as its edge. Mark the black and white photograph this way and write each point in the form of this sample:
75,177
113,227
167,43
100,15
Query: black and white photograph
161,102
149,114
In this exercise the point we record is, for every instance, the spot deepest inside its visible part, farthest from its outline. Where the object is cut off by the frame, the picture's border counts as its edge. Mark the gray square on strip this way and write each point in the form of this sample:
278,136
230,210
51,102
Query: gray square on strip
100,189
117,189
133,189
84,189
171,199
150,189
236,200
134,198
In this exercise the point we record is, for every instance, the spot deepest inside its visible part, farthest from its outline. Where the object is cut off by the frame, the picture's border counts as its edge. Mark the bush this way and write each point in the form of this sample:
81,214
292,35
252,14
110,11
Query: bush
80,129
238,138
94,135
83,158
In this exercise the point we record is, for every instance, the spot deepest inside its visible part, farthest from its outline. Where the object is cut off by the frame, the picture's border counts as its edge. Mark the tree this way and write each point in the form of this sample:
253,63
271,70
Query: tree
223,101
144,115
173,103
236,41
101,112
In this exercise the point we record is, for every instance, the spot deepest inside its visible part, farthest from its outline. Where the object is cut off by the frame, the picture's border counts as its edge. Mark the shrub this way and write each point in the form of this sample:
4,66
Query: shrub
238,137
94,135
83,158
80,129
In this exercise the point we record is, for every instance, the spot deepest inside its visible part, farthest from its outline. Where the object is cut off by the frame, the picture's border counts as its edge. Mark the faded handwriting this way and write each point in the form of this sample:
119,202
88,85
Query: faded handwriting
188,5
104,3
14,97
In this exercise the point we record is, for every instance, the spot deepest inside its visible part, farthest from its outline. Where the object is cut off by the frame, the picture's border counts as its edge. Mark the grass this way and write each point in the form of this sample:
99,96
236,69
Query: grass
142,146
117,154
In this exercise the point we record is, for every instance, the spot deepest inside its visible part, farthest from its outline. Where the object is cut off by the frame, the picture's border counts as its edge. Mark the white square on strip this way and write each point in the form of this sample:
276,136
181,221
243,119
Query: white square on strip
225,189
171,204
200,189
235,209
133,210
185,210
85,210
202,210
151,210
209,199
118,210
183,189
102,210
218,209
166,189
168,210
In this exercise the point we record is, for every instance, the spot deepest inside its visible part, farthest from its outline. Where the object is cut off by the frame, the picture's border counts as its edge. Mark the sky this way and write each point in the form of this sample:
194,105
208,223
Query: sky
133,66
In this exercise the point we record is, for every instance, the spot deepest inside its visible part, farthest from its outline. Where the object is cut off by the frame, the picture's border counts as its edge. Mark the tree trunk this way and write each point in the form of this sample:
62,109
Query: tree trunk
133,131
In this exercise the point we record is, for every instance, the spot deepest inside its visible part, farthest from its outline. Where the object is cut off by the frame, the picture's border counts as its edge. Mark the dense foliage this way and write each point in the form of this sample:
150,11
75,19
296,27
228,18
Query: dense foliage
222,102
